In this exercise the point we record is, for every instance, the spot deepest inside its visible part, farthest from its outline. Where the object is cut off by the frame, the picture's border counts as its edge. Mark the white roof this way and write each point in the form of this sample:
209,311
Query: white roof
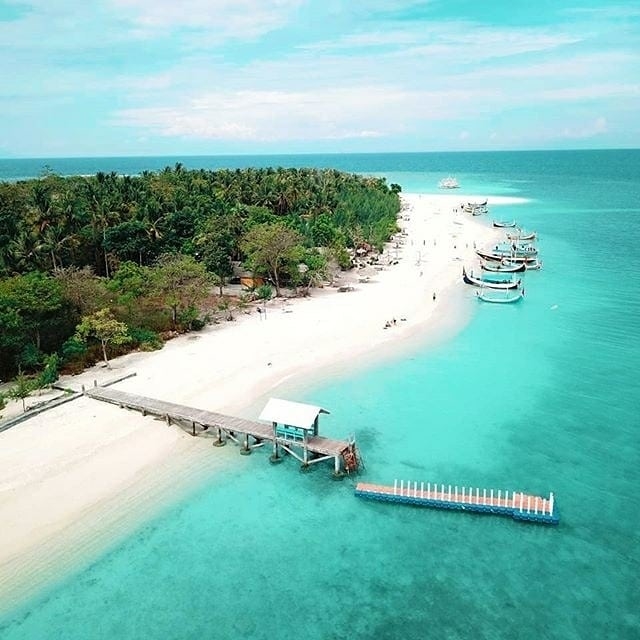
294,414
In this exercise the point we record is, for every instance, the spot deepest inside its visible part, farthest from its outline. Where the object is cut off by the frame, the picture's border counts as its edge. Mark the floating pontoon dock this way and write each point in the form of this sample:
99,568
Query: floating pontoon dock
293,428
518,505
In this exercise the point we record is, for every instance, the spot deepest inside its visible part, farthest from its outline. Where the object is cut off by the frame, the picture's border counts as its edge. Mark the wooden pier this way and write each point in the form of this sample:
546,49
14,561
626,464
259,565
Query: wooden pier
518,505
301,442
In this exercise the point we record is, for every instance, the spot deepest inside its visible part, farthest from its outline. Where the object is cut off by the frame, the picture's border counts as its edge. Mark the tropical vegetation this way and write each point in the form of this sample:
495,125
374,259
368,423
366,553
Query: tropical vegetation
92,266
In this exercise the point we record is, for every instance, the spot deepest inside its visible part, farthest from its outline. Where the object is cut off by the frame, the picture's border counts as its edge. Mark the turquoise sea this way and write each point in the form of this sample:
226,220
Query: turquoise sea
538,396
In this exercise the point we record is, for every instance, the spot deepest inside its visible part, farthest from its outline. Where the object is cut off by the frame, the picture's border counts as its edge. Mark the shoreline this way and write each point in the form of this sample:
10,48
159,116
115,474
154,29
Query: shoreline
99,472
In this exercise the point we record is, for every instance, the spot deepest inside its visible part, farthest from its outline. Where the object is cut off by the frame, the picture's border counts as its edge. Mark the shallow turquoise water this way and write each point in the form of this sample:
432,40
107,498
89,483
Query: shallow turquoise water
537,396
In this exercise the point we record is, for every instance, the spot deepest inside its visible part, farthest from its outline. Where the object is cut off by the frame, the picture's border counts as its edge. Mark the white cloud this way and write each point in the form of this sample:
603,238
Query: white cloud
586,130
321,114
227,18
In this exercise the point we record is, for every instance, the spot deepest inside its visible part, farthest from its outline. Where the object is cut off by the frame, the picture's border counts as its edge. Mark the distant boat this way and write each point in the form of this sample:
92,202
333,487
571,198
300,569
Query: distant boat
520,235
504,223
506,258
501,297
476,208
515,249
449,183
502,266
496,284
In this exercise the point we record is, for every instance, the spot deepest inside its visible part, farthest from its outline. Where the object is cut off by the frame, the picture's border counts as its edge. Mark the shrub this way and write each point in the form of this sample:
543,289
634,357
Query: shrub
145,339
73,349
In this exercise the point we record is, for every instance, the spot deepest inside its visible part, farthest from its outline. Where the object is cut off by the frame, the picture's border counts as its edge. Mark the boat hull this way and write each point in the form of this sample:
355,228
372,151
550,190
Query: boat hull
510,297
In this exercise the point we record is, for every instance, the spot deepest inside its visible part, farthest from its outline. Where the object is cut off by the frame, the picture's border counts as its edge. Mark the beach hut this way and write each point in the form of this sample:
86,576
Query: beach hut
294,425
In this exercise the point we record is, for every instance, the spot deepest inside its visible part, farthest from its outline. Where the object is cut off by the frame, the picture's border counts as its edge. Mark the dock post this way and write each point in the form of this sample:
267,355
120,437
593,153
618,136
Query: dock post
513,503
528,504
193,428
478,495
219,442
168,419
275,457
395,487
506,498
415,489
442,492
499,496
535,506
456,492
422,489
521,500
462,494
401,487
428,489
484,496
245,450
492,497
449,493
551,503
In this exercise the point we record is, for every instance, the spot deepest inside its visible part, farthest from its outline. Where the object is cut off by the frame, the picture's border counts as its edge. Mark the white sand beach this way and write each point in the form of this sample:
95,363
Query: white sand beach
72,477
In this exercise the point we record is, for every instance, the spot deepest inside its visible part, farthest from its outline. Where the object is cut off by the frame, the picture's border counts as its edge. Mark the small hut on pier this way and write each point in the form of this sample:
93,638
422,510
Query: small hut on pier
295,426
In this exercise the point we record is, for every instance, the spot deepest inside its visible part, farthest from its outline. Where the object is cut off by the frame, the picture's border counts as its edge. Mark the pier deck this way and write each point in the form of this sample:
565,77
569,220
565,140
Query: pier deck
230,425
518,505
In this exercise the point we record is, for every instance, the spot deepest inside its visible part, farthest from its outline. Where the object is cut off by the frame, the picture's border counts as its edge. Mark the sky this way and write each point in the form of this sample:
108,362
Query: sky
209,77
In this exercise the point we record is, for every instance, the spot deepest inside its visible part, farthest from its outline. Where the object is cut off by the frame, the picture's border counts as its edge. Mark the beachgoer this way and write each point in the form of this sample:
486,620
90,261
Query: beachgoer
434,295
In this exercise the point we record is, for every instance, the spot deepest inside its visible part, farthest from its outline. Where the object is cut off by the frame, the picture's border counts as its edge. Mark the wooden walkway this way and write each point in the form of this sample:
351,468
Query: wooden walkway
518,505
230,425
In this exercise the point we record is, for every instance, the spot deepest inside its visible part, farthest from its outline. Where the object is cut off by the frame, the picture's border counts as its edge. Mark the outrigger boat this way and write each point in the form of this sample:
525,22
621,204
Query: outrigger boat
504,224
502,267
498,259
519,250
500,296
489,284
520,236
476,208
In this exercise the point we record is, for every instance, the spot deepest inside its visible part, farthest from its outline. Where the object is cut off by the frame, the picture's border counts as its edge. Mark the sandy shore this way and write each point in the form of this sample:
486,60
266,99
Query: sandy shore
74,476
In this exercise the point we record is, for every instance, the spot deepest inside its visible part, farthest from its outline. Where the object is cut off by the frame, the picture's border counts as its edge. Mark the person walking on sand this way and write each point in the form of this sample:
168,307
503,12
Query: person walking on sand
434,295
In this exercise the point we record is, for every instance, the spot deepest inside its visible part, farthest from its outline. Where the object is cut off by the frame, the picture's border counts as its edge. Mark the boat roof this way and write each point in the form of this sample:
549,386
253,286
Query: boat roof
293,414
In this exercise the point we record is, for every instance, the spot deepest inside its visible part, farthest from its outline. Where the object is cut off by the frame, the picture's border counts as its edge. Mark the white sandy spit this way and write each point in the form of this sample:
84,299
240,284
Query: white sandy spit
76,477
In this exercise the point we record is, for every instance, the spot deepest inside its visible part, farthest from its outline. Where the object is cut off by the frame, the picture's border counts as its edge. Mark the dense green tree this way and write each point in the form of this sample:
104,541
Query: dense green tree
104,327
272,247
181,283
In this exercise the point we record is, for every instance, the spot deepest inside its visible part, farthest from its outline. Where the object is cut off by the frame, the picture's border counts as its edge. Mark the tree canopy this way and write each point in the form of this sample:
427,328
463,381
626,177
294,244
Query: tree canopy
148,248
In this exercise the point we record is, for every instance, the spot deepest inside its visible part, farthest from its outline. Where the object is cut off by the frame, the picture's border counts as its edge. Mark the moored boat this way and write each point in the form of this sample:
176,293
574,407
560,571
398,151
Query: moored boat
476,208
501,267
521,236
500,297
520,250
489,284
504,223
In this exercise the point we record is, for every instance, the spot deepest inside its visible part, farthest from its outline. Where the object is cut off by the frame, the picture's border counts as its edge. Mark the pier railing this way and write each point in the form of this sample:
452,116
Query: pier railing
517,504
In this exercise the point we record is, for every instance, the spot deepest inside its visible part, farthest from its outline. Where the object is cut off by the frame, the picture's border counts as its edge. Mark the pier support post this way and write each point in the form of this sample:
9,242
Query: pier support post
337,472
275,456
245,450
219,442
193,428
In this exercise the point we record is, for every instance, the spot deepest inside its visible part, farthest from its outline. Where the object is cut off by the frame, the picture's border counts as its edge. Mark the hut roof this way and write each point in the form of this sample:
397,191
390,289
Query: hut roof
294,414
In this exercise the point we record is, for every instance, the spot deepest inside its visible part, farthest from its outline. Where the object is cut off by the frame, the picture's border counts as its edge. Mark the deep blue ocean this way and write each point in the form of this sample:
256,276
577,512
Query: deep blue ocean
540,396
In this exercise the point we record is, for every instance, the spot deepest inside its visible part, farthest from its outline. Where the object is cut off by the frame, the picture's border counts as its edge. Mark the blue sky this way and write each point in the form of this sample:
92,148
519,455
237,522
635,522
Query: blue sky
156,77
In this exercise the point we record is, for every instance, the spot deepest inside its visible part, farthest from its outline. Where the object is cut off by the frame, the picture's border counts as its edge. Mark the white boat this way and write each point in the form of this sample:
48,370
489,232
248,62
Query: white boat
501,297
476,208
522,236
448,183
